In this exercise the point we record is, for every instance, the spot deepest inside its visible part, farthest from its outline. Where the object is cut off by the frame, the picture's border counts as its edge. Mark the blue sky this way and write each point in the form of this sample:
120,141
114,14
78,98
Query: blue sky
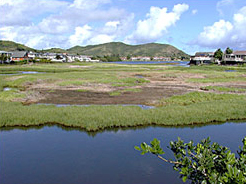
190,25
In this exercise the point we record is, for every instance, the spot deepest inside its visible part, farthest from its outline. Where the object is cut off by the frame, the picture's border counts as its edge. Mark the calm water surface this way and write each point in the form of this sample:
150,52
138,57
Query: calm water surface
53,154
172,63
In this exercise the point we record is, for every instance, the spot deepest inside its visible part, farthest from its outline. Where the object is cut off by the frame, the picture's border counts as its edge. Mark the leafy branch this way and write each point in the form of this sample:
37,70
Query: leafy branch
204,162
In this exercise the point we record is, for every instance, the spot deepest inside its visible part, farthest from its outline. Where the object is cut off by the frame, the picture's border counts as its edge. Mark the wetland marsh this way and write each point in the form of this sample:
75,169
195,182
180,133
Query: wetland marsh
180,95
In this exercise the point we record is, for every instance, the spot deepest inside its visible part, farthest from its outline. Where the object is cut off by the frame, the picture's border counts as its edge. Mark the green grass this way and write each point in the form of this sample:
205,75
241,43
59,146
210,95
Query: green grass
82,90
115,93
94,118
223,89
10,95
199,97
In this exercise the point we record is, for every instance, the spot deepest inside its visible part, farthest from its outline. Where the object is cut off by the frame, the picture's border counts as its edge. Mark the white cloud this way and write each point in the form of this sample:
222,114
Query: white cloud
224,33
194,12
157,21
101,38
88,4
60,23
22,12
81,35
80,12
112,23
222,5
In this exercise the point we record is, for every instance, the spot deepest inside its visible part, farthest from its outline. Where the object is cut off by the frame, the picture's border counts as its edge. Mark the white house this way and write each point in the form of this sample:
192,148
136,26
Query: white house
202,58
236,56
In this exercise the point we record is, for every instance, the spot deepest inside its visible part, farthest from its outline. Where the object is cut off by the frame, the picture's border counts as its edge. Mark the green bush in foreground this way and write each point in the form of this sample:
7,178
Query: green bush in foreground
204,162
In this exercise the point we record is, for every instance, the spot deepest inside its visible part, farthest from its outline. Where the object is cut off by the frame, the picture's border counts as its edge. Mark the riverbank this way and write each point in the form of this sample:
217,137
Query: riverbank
103,95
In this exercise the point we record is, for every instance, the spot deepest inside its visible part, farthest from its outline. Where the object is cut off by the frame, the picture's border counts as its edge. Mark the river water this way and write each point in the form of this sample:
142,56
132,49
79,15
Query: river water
53,154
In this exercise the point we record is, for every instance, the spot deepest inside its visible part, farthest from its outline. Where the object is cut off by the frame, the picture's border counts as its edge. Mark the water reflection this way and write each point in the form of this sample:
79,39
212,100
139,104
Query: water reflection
174,63
58,154
144,107
112,129
20,73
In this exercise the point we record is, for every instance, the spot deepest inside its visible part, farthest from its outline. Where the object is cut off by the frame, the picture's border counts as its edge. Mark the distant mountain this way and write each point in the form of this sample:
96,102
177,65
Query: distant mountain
150,49
55,50
112,48
12,46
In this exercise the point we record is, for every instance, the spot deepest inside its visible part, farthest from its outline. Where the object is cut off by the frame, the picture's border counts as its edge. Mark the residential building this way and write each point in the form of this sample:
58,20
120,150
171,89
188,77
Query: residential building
235,57
19,56
202,58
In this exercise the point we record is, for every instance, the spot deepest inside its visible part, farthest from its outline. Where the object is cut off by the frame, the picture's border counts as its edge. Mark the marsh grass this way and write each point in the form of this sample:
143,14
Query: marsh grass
191,108
10,95
199,97
223,89
94,118
115,93
82,90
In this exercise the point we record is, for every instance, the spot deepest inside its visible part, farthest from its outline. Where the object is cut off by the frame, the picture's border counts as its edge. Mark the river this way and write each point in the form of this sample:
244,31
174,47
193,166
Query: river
53,154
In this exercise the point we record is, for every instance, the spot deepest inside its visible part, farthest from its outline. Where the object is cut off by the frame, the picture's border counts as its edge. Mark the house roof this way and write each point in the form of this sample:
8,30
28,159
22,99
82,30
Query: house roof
19,54
239,52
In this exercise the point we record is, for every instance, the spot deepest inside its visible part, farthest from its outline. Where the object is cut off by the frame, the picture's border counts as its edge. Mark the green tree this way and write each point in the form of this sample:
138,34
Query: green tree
228,50
204,162
3,58
218,54
128,57
58,56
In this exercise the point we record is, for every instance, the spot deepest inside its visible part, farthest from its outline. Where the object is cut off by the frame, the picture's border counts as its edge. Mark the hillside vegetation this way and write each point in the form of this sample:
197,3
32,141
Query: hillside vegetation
112,48
12,46
118,48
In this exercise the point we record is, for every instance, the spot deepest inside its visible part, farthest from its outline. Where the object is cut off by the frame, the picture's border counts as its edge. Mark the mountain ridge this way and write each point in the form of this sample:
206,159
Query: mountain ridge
111,48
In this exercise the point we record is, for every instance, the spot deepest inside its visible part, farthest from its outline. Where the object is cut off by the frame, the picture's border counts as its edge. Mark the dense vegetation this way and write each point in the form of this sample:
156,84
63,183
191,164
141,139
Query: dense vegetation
105,58
118,48
203,163
12,46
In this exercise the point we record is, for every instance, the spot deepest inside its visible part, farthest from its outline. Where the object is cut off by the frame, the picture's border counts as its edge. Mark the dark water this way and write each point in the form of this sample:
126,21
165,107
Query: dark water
171,63
53,154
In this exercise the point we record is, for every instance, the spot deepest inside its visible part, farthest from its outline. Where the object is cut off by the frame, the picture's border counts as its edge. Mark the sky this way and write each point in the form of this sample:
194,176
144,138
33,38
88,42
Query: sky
189,25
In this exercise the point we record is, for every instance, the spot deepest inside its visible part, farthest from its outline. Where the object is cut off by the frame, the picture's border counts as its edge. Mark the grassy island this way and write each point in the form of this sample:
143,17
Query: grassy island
99,96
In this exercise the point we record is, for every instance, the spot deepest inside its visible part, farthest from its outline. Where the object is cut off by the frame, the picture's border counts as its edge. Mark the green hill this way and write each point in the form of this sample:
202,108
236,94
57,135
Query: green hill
55,50
12,46
150,49
112,48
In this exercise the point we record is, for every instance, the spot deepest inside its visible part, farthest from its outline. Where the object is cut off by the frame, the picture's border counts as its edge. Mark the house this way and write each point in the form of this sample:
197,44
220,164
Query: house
141,58
202,58
72,58
33,55
161,58
19,56
235,57
5,59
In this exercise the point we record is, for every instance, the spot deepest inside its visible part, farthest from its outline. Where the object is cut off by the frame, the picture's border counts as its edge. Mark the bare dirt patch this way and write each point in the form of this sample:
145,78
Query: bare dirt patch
161,85
148,95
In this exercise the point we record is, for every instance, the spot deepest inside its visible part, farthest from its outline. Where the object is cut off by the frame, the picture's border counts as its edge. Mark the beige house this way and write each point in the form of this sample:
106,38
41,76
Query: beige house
236,56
